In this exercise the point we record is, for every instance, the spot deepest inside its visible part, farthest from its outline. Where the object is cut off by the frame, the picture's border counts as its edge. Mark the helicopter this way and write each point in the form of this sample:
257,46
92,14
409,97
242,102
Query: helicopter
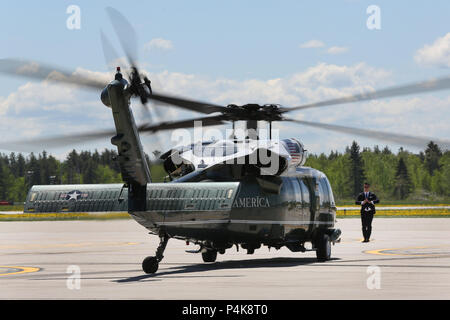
246,192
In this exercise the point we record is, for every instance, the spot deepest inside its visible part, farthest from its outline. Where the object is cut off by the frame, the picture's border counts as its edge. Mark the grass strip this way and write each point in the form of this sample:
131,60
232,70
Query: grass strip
64,216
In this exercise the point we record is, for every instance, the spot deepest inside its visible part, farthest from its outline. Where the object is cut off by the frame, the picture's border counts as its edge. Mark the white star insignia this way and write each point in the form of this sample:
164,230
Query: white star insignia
74,195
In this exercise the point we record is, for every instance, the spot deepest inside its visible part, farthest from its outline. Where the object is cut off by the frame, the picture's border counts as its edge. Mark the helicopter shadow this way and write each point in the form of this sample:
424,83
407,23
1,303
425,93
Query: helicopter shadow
225,265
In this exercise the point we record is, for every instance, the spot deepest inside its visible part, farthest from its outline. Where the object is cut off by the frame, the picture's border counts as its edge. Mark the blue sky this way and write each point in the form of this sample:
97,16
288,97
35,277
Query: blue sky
229,50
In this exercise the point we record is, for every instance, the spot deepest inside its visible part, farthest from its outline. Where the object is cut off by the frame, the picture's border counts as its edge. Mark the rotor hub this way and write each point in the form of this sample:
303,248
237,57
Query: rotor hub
254,112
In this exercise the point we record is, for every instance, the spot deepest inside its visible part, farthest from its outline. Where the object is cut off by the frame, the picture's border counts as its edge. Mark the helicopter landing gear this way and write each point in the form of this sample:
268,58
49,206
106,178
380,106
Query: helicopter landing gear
151,264
209,255
323,247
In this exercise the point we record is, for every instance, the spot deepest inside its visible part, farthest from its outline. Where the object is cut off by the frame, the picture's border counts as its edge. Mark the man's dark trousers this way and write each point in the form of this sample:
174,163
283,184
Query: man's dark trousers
367,212
366,220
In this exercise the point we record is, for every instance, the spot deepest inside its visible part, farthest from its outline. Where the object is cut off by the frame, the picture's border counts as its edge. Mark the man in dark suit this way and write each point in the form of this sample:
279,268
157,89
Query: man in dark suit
367,200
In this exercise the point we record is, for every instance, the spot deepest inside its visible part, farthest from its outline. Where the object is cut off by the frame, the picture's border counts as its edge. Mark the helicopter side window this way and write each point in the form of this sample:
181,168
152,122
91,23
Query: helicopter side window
330,192
297,192
325,194
305,194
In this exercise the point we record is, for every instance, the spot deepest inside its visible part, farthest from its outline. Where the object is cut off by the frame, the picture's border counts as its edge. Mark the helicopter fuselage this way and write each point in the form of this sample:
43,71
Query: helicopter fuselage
249,212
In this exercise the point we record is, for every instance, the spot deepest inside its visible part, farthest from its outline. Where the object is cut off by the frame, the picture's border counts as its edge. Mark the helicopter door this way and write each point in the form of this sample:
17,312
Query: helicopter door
311,198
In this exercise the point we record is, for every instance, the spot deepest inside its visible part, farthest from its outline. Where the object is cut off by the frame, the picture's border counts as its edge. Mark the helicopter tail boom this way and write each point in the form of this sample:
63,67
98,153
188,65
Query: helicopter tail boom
133,164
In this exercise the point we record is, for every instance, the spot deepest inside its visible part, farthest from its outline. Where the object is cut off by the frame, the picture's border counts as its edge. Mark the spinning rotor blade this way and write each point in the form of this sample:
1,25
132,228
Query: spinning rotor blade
126,34
35,70
374,134
170,125
74,139
128,39
192,105
419,87
111,56
55,141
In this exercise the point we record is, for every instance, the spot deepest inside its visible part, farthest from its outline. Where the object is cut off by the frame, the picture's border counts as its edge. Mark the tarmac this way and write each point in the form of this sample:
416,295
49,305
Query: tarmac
407,258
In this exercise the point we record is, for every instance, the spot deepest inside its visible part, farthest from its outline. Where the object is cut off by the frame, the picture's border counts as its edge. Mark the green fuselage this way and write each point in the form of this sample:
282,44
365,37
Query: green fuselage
242,212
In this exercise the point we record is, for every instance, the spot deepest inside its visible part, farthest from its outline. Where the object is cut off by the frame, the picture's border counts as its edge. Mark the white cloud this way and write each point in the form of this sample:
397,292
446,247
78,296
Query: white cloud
436,54
337,50
322,81
34,96
159,43
38,109
312,44
319,44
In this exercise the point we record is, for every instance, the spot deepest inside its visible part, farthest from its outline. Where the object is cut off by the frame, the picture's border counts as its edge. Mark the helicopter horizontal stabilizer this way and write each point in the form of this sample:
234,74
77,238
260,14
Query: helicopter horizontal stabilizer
185,204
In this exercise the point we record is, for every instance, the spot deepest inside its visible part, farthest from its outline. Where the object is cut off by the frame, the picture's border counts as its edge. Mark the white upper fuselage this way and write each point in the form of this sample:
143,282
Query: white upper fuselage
248,151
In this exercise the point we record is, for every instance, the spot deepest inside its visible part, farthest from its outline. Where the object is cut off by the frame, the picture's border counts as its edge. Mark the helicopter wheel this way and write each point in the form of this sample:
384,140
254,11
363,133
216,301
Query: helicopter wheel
323,247
209,256
150,265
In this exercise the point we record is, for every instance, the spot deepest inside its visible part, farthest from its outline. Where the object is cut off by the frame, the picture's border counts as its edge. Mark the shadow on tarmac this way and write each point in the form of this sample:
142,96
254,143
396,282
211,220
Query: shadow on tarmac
280,262
226,265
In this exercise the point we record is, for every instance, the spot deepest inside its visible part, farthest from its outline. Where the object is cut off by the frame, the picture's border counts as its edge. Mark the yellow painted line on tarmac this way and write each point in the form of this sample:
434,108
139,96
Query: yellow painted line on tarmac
384,253
380,251
21,270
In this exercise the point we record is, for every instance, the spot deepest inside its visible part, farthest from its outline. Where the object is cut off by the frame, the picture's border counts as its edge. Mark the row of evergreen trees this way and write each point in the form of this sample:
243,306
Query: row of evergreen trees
392,176
19,173
400,176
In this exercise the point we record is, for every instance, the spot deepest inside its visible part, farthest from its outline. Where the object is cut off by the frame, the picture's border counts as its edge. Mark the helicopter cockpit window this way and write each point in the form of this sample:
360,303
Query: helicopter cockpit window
33,196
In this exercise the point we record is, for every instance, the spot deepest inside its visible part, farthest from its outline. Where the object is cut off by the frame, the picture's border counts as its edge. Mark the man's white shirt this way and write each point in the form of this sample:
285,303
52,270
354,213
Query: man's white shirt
366,195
